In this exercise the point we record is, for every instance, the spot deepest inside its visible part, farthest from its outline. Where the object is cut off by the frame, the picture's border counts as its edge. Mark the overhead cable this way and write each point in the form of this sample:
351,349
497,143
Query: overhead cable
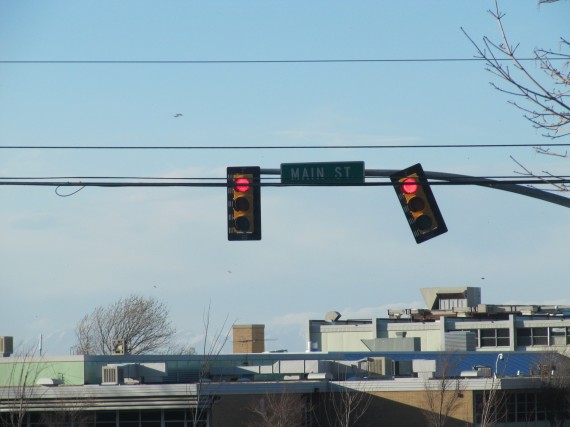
251,61
271,147
455,182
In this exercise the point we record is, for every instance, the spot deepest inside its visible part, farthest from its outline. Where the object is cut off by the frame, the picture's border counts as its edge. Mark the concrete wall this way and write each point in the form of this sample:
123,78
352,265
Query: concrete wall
344,341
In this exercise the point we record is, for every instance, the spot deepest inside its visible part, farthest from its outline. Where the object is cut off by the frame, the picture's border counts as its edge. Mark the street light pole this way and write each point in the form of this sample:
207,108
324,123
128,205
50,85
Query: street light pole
499,357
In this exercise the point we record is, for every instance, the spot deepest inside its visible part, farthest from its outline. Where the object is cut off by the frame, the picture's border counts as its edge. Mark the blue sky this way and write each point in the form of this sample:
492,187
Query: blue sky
344,249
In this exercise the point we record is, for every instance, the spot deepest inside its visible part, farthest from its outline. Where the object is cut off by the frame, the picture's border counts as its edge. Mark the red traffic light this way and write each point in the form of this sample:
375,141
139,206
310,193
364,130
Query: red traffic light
242,185
243,203
410,186
418,203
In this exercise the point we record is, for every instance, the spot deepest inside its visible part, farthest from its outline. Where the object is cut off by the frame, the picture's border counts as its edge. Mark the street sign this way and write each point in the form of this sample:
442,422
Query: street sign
322,173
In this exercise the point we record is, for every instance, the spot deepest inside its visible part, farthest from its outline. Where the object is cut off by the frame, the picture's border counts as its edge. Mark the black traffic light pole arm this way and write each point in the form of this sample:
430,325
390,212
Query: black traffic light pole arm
484,182
490,183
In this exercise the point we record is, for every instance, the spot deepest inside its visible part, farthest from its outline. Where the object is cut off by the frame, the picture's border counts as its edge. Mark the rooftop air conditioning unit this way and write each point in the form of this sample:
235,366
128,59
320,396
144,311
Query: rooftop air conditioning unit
6,346
112,375
379,366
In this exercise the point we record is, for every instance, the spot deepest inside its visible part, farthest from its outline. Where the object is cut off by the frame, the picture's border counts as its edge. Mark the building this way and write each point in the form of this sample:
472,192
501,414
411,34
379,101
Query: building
232,390
454,319
477,360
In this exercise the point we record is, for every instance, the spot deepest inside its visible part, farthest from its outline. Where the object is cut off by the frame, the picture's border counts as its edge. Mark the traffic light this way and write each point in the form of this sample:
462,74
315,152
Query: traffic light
244,205
418,202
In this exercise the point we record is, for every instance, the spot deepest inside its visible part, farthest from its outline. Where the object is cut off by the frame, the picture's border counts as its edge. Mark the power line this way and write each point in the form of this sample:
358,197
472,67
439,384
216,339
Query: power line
265,178
455,182
271,147
253,61
524,186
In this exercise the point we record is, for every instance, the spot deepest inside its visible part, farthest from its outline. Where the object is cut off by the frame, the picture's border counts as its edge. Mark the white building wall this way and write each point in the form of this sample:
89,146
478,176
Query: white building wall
343,337
351,341
429,333
348,337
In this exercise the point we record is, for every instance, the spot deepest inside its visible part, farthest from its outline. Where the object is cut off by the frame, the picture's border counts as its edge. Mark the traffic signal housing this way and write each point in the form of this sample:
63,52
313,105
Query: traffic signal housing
244,205
418,202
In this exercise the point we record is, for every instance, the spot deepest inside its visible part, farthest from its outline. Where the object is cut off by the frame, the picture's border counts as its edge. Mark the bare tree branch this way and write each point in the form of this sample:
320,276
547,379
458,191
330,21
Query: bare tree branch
21,380
343,406
278,410
529,173
141,323
549,102
442,394
212,347
547,151
554,373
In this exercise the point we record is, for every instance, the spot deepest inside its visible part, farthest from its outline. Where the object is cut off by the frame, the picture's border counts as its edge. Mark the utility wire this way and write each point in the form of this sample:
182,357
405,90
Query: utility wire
269,147
258,61
455,182
150,178
527,188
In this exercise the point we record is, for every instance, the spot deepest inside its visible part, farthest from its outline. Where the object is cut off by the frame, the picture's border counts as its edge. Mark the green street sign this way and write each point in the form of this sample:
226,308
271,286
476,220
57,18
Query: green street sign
322,173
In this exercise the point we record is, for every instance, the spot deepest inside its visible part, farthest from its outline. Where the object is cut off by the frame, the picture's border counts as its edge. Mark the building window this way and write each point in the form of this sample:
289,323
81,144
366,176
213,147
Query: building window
61,418
524,337
494,337
503,337
112,418
105,418
151,418
539,336
532,336
510,407
129,418
559,336
174,418
449,303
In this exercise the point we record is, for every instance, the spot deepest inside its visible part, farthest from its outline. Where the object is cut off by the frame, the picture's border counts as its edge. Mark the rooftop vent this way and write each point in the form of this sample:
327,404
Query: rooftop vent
378,365
332,316
112,375
119,346
49,381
